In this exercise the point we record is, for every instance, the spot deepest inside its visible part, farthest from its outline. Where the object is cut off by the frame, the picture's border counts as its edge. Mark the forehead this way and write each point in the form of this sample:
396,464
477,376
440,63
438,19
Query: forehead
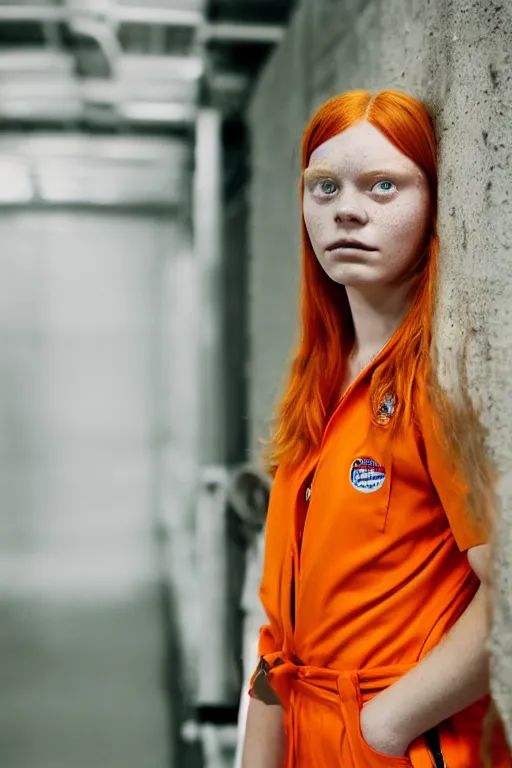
359,148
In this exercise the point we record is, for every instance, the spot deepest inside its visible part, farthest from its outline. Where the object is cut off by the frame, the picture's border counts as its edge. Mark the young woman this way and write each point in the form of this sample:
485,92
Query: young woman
375,578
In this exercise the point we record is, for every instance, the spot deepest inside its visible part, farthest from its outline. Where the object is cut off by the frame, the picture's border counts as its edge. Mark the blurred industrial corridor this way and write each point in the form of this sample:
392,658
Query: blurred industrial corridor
122,142
149,157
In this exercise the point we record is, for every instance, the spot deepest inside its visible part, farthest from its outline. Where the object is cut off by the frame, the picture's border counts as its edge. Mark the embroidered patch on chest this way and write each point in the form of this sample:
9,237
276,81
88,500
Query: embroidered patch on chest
367,475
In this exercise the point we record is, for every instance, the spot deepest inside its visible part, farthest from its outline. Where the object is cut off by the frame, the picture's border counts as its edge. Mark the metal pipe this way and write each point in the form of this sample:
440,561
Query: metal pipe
102,33
207,235
215,682
117,13
49,107
172,17
29,61
222,31
32,13
242,33
158,112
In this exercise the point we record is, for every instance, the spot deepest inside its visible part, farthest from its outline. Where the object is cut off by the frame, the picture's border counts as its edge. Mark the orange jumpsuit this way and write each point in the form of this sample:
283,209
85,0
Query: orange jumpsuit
365,570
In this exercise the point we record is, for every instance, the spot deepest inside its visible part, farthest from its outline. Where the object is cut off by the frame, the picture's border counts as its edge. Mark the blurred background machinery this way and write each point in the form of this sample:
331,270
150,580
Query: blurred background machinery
127,65
129,518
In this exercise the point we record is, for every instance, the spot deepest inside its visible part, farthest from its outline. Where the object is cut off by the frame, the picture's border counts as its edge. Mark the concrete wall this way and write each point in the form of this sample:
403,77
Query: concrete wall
456,55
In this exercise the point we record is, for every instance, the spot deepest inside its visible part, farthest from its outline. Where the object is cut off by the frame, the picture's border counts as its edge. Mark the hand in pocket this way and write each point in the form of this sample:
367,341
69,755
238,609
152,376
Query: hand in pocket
379,733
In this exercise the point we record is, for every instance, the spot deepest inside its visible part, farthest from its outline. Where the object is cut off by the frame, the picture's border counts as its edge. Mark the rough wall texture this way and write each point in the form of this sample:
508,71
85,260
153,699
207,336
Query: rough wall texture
456,55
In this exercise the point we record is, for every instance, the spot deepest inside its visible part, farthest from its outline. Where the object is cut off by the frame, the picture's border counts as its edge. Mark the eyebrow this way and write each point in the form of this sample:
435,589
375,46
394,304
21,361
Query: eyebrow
320,172
317,172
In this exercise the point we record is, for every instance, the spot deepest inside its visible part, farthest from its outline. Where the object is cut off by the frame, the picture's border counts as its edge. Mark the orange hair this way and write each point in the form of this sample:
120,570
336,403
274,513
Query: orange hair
327,332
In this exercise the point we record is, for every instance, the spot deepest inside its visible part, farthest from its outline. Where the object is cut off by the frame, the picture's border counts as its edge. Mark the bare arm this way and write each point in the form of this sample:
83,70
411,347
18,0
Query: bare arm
451,677
264,736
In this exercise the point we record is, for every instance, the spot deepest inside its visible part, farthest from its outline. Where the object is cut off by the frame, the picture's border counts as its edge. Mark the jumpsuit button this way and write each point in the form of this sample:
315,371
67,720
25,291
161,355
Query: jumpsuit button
308,493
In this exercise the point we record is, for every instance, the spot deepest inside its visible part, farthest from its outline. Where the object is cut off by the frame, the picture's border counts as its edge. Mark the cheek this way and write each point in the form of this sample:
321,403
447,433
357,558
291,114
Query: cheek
404,227
315,225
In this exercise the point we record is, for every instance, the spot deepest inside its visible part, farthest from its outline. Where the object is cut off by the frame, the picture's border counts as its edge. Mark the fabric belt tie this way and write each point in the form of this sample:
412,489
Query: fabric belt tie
353,688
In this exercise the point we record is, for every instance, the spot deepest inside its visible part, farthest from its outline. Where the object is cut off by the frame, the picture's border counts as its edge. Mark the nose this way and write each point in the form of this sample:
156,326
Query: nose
350,208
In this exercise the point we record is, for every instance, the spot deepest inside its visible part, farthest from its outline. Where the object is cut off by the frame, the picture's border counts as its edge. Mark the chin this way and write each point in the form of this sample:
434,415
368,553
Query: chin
355,277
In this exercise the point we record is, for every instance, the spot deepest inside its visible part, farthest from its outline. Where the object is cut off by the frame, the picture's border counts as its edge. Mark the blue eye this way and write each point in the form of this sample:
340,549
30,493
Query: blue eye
327,187
389,186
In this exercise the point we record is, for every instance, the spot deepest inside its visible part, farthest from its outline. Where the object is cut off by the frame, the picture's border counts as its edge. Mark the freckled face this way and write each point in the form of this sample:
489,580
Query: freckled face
360,187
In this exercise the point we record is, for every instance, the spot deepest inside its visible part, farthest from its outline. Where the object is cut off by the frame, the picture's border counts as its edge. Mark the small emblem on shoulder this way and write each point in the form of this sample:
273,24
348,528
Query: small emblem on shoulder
386,410
367,475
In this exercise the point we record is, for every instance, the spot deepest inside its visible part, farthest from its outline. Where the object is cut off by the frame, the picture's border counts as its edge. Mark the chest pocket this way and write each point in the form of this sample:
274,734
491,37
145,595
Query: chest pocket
369,471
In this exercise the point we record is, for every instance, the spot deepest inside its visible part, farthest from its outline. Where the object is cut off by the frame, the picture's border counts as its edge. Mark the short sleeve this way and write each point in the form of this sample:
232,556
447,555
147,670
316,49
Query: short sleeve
448,480
275,549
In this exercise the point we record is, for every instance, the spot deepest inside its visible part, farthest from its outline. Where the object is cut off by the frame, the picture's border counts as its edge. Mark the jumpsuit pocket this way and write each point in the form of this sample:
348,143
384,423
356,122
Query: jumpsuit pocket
356,752
369,487
378,758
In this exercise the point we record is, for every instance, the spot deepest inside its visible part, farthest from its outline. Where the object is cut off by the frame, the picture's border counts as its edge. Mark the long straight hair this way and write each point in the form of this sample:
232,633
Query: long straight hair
326,328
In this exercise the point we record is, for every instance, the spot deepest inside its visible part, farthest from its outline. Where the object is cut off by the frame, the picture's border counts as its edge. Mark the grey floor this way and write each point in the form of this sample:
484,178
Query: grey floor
81,685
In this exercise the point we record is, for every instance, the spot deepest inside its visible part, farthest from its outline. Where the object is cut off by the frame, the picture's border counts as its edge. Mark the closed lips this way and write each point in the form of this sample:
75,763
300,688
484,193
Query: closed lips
349,244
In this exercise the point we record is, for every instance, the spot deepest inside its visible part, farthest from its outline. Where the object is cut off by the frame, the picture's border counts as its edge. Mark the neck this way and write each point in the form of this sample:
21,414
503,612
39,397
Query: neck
376,316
